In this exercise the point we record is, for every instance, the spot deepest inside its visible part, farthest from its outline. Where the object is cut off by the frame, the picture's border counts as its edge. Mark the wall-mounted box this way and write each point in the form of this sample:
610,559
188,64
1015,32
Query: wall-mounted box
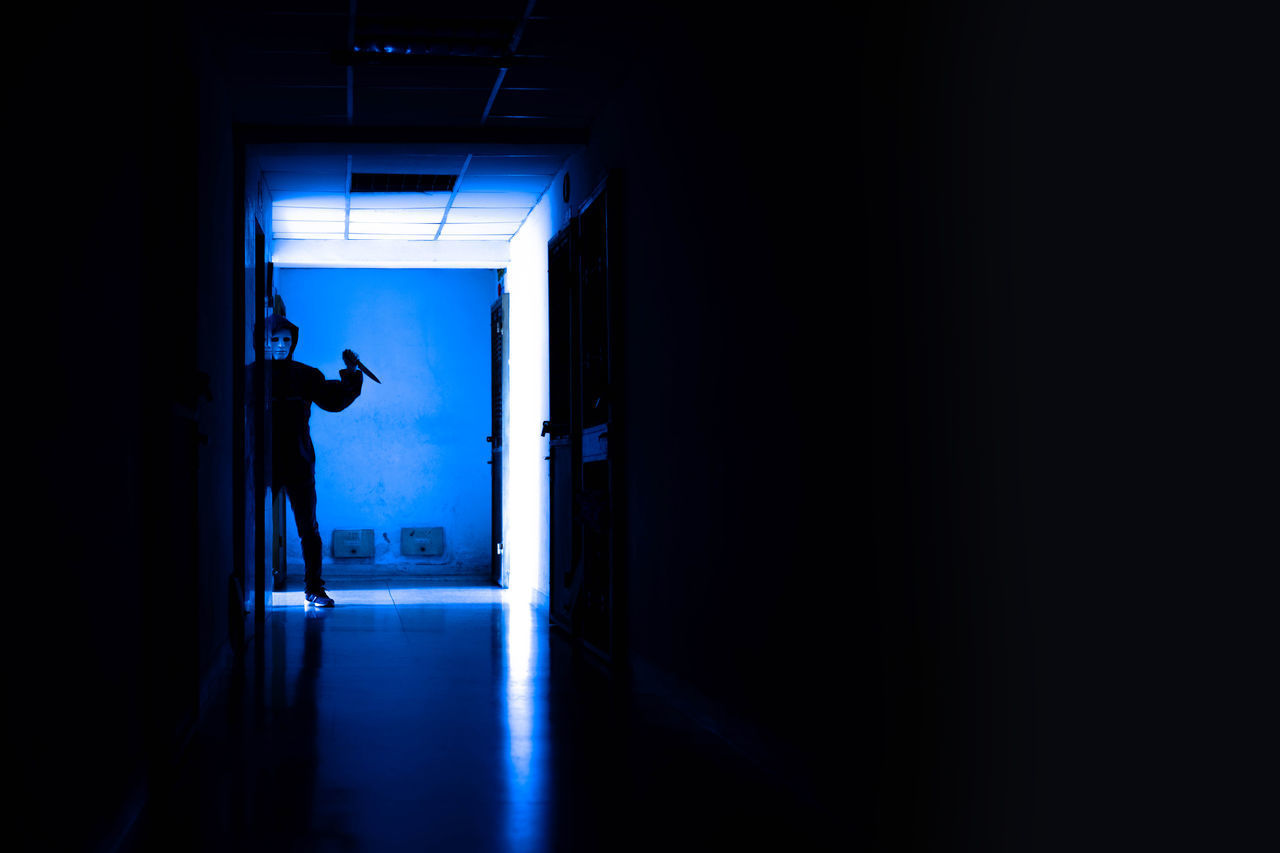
422,541
347,544
595,443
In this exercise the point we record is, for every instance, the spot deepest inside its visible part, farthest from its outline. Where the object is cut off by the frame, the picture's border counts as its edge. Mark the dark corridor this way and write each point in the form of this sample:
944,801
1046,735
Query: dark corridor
415,717
950,354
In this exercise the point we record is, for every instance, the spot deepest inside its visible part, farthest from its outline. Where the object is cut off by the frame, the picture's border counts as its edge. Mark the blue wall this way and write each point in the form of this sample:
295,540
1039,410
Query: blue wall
410,452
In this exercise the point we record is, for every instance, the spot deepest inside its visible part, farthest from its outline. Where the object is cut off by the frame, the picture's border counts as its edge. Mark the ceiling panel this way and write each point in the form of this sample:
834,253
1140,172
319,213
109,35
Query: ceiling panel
416,215
515,164
317,163
323,182
510,66
264,104
532,184
438,78
496,199
288,213
497,188
306,198
468,215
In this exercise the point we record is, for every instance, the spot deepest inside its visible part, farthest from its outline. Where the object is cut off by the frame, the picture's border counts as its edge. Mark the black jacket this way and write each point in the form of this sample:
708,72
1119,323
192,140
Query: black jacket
294,387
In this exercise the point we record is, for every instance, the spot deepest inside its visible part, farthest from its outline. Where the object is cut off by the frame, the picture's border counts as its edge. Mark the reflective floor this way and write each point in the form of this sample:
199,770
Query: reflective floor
414,717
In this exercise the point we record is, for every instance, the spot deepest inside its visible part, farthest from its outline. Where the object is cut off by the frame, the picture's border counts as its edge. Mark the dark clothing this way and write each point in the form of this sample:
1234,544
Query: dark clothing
301,491
294,387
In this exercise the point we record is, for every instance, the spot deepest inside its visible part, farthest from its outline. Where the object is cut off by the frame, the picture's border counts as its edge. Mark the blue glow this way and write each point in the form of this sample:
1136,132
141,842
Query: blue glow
392,230
526,478
389,224
286,228
526,773
374,595
404,454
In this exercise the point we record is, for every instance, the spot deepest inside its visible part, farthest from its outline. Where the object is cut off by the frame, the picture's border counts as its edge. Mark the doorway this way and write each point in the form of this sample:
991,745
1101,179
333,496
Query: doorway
246,592
499,377
406,467
586,427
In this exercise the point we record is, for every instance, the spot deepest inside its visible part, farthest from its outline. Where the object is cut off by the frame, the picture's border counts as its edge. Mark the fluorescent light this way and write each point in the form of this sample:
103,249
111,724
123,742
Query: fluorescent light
336,201
496,199
394,228
429,235
289,228
283,213
431,215
487,214
308,235
505,229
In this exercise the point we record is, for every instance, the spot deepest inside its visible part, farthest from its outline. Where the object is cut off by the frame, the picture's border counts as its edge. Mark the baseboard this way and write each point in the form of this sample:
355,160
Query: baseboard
382,571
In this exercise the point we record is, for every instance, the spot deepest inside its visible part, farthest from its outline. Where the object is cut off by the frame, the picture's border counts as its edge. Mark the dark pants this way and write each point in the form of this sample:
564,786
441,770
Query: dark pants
301,491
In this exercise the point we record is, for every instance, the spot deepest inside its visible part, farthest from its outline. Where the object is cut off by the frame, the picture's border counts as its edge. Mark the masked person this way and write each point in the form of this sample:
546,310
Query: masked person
294,387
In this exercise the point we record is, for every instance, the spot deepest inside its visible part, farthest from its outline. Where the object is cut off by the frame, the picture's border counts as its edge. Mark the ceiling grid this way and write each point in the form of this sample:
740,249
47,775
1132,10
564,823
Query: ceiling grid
507,69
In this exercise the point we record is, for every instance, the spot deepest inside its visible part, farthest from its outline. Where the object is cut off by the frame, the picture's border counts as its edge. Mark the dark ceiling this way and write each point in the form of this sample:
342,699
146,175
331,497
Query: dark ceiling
493,93
459,64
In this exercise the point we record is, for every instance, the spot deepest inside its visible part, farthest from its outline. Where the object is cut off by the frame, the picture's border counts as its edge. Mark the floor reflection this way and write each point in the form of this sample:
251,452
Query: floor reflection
527,794
410,719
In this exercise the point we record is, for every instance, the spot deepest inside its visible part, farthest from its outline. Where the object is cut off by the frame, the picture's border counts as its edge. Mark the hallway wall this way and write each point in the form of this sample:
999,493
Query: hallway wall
131,612
736,480
526,497
411,451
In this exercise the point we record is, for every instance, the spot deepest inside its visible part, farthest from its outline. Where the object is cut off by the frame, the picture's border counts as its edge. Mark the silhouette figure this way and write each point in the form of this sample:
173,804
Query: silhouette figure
294,387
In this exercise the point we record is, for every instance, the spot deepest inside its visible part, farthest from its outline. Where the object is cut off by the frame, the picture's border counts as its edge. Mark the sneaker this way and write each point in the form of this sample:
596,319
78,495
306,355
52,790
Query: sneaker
319,599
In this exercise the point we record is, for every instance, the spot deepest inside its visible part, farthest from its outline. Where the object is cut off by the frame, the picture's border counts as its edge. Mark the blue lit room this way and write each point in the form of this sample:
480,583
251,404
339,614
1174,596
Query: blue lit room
426,280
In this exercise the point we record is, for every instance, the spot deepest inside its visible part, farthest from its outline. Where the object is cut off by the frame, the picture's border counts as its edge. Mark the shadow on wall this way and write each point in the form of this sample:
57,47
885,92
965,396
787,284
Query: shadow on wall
402,474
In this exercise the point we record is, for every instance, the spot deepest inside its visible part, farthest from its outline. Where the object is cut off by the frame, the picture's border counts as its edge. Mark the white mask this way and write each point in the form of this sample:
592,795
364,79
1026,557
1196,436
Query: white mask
278,344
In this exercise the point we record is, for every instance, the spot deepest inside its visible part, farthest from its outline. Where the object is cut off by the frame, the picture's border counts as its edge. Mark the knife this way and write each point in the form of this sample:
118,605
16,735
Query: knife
354,360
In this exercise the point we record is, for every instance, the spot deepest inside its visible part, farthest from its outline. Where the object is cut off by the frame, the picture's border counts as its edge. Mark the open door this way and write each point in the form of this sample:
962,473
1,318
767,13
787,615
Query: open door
247,590
274,499
498,316
562,278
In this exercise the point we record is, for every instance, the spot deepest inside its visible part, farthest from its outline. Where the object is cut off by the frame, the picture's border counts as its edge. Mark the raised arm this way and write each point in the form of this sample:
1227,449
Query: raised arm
334,395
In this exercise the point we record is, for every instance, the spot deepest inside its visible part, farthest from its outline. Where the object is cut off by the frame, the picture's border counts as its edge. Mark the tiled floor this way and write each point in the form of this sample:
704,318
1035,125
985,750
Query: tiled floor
433,717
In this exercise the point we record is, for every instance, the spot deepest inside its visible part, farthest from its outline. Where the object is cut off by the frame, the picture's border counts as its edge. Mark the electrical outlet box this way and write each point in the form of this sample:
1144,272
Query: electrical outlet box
422,541
347,544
